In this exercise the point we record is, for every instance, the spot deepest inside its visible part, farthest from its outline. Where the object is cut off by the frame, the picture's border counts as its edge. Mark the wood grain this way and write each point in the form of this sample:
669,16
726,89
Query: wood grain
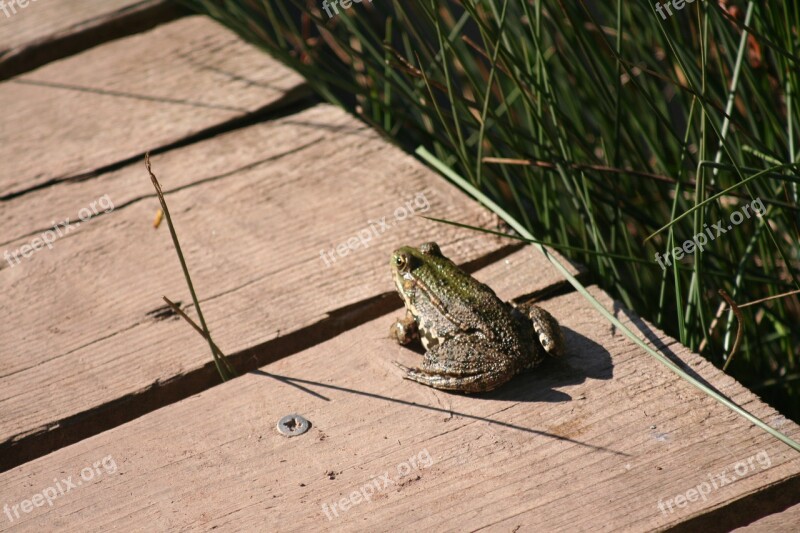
112,103
592,442
44,31
89,343
98,380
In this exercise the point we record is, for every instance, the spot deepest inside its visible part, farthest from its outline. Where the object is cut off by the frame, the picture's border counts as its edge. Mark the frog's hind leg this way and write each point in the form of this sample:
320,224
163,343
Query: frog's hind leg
548,332
471,364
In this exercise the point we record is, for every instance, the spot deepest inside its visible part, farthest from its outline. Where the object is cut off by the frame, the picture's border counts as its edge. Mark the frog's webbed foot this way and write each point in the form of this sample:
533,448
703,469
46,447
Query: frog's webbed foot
404,330
547,330
471,364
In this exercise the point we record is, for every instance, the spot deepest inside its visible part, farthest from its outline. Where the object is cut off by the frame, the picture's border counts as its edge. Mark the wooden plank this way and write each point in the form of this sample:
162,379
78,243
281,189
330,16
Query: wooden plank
40,32
593,442
254,209
110,104
786,522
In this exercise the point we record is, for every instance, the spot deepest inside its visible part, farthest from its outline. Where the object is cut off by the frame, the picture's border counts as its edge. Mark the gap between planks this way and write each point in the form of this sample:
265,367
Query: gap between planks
64,31
111,103
295,100
259,170
589,442
98,419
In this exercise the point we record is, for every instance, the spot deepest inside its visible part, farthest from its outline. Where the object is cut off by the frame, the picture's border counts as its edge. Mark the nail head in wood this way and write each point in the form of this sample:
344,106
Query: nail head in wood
293,425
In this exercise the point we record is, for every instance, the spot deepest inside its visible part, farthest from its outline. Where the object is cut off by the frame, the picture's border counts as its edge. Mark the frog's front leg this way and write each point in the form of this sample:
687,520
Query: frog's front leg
547,330
468,363
404,330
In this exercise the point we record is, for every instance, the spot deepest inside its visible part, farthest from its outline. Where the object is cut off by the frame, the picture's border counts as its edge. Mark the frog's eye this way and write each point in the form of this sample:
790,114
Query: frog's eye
430,248
402,262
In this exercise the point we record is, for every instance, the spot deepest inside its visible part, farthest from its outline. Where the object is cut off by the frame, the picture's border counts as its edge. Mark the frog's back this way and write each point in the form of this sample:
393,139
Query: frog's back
468,300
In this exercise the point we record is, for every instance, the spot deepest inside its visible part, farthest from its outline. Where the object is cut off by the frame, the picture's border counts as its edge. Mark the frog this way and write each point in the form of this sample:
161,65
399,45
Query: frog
474,341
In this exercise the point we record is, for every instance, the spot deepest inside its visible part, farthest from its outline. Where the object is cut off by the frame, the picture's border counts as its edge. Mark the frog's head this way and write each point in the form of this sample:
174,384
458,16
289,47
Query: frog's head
410,265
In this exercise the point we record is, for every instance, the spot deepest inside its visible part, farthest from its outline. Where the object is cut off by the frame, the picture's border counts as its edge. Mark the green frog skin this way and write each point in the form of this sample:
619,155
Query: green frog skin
474,342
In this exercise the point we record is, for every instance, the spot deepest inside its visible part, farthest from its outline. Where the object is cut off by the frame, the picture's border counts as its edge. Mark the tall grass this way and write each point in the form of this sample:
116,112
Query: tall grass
603,128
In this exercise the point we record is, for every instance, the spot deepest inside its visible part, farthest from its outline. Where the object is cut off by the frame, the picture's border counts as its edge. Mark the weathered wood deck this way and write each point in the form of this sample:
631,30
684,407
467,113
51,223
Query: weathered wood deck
111,411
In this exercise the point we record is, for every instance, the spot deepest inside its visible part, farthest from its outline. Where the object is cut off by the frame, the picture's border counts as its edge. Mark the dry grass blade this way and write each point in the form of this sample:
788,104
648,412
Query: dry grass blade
604,121
740,323
192,323
224,368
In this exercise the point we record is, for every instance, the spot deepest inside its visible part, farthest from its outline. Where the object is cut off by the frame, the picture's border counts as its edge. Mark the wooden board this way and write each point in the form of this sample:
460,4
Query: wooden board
110,104
594,442
254,209
606,439
41,32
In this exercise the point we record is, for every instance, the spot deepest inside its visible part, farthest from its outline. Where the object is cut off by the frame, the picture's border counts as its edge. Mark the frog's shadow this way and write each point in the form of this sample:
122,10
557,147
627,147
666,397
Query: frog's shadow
584,359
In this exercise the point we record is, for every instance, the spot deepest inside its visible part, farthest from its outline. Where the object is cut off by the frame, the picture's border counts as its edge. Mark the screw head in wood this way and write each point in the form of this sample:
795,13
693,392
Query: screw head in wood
293,425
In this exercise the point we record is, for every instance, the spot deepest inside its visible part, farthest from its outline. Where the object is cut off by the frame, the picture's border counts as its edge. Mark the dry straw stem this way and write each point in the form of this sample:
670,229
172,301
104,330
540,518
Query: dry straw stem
739,320
192,323
736,308
603,122
224,368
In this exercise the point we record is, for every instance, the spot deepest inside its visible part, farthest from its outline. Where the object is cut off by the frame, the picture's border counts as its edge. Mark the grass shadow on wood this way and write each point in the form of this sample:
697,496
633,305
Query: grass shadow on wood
296,381
657,341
